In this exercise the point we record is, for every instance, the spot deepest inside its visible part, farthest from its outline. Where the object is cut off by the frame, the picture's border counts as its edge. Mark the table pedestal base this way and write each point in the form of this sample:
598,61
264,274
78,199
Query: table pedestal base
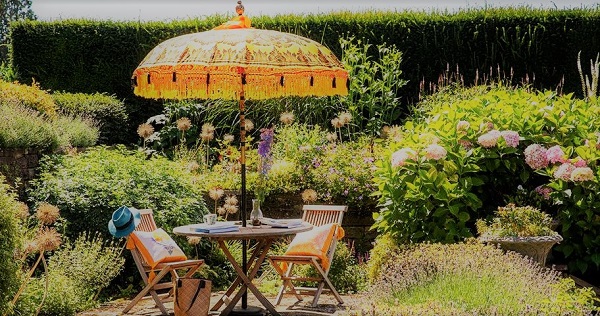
250,310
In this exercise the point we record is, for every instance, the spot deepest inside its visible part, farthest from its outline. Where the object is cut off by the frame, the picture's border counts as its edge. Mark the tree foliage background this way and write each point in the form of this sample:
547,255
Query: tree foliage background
12,10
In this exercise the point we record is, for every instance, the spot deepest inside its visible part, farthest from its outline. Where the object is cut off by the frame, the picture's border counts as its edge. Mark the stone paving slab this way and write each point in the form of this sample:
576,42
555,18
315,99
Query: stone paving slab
289,306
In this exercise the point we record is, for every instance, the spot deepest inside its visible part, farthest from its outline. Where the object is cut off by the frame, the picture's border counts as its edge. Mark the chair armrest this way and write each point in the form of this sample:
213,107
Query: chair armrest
293,258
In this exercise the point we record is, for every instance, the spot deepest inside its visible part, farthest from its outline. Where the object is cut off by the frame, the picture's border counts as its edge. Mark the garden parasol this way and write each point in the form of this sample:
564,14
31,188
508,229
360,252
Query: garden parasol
239,64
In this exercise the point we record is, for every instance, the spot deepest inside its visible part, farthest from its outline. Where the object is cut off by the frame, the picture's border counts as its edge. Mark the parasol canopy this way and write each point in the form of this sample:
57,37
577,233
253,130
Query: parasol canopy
220,64
239,64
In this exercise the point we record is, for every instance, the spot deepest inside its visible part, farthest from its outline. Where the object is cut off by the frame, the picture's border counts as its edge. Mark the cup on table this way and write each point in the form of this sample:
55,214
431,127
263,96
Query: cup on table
210,219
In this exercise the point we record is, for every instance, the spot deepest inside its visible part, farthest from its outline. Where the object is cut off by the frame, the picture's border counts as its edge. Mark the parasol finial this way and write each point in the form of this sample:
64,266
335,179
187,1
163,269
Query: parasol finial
239,8
239,22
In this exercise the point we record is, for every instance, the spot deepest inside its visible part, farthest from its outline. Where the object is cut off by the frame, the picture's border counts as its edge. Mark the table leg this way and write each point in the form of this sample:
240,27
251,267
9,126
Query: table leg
237,280
261,250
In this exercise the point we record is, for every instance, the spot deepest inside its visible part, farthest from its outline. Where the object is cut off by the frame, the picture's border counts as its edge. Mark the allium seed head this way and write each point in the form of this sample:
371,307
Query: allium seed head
184,124
145,130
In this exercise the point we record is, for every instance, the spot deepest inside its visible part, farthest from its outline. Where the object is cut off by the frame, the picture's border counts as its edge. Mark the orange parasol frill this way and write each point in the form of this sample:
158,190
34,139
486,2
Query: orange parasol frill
213,65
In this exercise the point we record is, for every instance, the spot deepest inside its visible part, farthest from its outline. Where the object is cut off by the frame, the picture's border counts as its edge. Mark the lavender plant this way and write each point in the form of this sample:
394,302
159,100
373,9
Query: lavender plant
471,279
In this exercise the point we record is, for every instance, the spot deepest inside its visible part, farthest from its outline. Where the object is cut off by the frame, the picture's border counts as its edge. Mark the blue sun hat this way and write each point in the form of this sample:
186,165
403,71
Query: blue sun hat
124,220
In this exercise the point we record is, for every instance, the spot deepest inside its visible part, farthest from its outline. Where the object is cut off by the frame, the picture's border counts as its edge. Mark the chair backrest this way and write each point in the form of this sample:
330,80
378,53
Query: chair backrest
319,215
147,223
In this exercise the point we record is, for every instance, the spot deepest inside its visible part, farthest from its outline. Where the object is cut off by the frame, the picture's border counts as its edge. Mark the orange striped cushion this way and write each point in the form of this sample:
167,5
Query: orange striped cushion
155,247
316,242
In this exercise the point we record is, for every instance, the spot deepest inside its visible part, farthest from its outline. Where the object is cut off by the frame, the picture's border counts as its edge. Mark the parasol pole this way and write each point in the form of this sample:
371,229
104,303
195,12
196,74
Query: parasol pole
243,171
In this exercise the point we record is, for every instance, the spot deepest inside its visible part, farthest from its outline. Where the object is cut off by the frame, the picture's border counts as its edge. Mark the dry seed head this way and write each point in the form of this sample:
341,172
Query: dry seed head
231,200
193,240
337,123
228,138
345,117
287,118
309,195
331,137
208,128
231,208
216,193
207,136
249,125
23,211
221,211
145,130
48,239
47,213
184,124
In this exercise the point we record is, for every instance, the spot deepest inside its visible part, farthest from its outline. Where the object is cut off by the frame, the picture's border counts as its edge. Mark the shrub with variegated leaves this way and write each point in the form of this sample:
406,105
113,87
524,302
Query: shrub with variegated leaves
468,151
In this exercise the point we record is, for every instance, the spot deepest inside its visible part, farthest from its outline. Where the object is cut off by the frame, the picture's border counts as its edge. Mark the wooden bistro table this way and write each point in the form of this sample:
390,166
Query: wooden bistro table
264,235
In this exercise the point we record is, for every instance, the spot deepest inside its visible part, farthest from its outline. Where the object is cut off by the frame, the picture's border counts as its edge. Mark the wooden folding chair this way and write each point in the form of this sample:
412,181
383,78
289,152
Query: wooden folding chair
317,215
147,224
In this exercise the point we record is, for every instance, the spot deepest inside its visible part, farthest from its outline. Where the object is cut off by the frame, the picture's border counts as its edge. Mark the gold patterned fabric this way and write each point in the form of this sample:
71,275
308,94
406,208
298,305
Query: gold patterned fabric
215,63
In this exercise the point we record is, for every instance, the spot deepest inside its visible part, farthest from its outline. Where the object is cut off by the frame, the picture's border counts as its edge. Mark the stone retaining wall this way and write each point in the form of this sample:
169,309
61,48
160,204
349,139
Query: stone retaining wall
19,166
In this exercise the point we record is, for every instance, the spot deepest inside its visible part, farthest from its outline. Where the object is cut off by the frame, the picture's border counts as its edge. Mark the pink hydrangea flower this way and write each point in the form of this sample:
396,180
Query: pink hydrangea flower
435,152
462,126
400,157
564,171
535,156
544,192
555,154
578,162
581,174
511,138
489,139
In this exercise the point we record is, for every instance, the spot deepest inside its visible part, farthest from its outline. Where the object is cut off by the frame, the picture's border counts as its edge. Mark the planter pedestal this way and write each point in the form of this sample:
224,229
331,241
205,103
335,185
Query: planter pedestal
536,248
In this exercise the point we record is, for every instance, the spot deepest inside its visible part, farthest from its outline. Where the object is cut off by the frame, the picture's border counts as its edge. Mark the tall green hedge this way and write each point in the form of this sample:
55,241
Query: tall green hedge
100,56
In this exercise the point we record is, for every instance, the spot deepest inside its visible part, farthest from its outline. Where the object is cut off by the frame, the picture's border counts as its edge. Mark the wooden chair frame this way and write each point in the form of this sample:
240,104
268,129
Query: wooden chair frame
147,224
317,215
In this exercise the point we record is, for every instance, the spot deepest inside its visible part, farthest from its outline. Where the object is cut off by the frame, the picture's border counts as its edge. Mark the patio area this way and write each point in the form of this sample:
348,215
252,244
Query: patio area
289,306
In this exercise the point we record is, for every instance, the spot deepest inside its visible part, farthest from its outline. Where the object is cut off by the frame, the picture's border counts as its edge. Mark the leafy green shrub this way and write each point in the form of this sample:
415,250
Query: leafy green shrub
10,239
89,186
7,73
471,278
76,272
375,86
30,96
108,112
460,158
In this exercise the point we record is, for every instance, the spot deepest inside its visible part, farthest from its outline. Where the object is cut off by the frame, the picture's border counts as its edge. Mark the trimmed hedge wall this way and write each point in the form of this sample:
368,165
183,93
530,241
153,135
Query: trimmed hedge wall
100,56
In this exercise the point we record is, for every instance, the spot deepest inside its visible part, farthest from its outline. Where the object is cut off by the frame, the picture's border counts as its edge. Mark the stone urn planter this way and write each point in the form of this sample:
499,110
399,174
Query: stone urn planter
522,229
537,248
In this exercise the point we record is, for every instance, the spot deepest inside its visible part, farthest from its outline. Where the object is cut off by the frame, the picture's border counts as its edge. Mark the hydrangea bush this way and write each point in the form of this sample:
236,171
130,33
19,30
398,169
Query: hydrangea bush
460,158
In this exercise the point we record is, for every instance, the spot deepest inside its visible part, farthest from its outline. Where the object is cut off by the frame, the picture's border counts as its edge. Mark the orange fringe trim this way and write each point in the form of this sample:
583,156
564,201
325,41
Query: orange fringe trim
225,82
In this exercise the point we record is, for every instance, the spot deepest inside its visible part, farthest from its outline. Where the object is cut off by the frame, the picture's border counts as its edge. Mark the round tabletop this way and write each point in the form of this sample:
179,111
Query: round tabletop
248,232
